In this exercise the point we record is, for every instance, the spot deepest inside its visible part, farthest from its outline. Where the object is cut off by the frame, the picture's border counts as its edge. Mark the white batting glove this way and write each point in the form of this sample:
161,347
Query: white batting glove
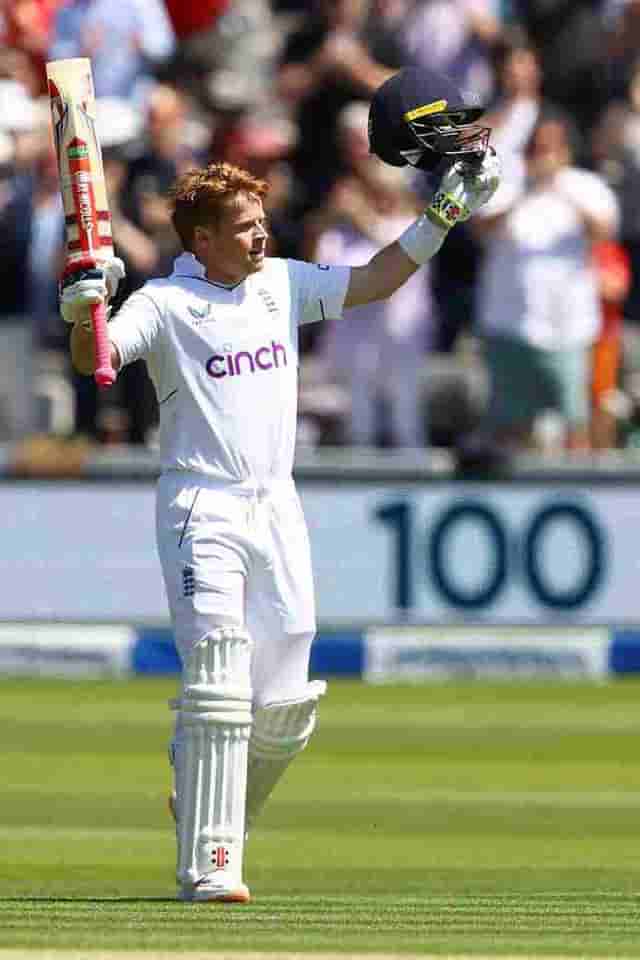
463,189
87,287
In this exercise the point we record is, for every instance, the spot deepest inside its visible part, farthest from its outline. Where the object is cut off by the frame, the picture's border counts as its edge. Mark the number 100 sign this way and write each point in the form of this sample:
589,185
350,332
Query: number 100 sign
512,551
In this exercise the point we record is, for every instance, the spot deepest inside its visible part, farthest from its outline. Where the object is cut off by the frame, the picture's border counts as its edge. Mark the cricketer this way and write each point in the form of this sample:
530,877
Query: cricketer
219,336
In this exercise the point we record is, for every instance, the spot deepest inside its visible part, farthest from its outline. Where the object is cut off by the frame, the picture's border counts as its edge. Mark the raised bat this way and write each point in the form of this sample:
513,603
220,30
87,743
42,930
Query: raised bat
89,239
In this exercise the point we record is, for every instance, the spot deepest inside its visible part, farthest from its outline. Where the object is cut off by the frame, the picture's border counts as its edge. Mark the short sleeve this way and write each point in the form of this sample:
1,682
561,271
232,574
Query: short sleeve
135,330
330,246
319,290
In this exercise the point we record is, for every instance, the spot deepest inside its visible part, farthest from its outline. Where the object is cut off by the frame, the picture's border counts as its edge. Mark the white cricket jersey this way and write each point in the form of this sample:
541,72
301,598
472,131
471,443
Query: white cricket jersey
224,363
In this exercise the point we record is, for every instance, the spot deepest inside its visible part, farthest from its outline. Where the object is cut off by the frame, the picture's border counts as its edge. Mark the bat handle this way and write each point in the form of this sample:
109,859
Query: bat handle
105,375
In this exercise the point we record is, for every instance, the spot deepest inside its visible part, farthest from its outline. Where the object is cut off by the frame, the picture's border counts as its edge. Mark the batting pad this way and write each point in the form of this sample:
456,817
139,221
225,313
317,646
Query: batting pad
210,758
280,731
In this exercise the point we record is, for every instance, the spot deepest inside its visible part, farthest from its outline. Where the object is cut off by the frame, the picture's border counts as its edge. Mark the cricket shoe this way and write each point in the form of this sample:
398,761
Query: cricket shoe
205,891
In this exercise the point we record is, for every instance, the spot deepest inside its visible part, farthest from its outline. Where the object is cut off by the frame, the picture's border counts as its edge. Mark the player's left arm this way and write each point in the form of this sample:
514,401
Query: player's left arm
462,190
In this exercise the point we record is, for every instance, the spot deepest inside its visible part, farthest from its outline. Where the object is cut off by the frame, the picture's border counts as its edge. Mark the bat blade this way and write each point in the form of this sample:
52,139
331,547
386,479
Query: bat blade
89,240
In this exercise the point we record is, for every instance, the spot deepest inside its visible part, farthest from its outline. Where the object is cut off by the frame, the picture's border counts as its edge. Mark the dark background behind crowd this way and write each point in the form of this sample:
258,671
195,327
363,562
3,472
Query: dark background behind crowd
521,334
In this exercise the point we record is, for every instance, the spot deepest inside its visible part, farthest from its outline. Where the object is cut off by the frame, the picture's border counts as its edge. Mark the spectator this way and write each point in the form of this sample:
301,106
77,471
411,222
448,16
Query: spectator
632,133
538,304
379,353
325,65
17,409
384,31
126,41
518,100
570,39
20,118
455,37
623,23
226,52
121,129
26,27
194,17
615,155
46,247
167,151
612,266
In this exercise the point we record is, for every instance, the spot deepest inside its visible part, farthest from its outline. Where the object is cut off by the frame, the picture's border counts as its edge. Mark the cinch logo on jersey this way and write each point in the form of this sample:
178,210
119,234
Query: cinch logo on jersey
235,364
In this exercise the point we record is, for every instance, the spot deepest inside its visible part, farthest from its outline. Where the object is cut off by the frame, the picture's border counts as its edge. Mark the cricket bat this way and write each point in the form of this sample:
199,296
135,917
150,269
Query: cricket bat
84,195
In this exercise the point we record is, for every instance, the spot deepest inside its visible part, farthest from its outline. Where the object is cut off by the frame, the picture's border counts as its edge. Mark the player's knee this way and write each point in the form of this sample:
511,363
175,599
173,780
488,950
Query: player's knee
280,668
216,685
282,729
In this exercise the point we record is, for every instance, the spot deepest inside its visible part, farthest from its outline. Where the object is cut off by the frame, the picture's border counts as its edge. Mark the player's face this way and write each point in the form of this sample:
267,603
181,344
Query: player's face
235,247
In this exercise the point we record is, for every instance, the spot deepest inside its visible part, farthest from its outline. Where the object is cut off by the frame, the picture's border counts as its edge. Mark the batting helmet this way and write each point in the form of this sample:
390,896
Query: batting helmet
419,116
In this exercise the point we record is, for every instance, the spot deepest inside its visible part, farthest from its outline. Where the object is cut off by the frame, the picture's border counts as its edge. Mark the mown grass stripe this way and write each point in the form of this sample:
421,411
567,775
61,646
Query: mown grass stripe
452,820
243,955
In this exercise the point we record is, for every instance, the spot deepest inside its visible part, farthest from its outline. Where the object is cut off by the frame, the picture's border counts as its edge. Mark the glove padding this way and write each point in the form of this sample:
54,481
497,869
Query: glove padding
463,189
87,287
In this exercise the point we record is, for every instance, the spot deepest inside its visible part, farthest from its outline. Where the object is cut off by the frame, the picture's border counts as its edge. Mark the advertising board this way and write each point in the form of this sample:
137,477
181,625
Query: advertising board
463,553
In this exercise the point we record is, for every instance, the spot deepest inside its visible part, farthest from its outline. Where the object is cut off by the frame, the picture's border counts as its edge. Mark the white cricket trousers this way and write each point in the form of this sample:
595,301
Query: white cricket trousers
239,557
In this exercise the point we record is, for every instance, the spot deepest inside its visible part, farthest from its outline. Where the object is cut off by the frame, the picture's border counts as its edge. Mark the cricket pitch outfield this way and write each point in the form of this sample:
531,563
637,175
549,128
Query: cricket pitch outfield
446,820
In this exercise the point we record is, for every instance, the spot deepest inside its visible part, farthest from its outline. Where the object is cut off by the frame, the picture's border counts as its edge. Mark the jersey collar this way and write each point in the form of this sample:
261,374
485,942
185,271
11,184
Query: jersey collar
187,265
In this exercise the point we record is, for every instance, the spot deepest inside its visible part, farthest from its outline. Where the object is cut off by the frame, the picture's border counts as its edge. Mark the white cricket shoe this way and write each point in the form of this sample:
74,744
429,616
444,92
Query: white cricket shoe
206,891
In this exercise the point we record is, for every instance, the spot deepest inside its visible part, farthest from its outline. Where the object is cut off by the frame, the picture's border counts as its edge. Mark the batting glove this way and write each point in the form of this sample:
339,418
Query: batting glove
463,189
81,290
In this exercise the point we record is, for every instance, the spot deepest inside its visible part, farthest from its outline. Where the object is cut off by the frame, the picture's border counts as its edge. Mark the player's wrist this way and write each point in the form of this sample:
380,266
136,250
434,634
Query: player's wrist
446,210
423,238
79,293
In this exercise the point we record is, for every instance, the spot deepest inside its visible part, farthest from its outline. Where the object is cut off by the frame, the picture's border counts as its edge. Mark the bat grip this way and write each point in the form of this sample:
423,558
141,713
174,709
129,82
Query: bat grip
105,375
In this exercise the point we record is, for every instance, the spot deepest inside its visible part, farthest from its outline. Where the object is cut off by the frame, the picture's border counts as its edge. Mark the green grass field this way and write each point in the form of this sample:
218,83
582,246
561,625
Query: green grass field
447,819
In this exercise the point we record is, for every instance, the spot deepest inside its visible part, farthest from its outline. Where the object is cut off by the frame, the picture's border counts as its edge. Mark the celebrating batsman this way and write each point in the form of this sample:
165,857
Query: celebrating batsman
220,338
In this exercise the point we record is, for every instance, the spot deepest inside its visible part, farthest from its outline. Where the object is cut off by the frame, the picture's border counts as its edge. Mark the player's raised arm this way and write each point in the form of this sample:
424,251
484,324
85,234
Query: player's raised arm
460,193
419,117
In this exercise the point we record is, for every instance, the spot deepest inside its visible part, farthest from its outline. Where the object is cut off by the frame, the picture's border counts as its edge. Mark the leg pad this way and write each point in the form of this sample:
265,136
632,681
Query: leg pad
280,731
213,728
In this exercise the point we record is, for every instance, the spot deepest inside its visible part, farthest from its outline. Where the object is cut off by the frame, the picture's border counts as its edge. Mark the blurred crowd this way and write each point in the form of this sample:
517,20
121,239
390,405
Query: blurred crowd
523,332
